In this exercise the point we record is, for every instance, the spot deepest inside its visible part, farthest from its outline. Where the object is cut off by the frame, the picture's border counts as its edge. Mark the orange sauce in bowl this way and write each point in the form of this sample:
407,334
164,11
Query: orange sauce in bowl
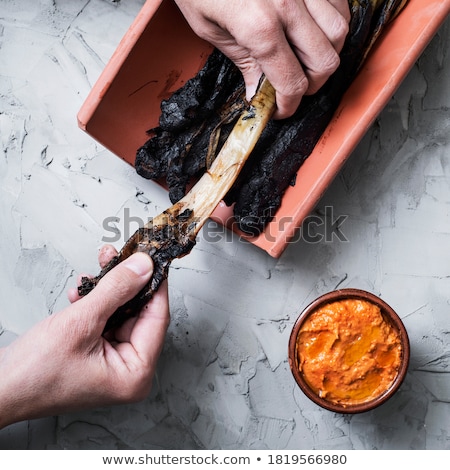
347,352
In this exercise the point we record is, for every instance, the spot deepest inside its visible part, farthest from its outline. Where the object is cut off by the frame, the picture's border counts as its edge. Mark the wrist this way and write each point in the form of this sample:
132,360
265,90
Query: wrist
18,398
7,408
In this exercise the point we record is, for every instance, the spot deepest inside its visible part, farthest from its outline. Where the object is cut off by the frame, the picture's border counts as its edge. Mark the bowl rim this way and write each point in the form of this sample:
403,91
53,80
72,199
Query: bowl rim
387,311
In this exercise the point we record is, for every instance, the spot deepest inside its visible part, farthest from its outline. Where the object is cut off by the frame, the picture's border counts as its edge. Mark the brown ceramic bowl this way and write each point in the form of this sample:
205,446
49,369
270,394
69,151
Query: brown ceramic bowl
297,354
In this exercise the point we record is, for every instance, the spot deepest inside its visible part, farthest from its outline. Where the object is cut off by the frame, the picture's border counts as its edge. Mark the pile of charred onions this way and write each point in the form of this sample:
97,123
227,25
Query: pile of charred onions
197,119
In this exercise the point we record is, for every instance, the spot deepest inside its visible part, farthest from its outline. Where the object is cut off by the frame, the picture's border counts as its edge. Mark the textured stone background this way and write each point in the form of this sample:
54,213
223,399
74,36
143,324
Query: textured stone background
223,379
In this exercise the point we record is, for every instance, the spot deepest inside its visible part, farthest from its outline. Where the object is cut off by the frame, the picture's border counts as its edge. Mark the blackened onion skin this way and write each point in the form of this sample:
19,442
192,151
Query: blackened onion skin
179,148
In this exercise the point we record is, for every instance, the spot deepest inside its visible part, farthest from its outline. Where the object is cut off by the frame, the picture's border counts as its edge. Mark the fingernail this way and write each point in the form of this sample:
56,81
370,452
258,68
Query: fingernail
139,263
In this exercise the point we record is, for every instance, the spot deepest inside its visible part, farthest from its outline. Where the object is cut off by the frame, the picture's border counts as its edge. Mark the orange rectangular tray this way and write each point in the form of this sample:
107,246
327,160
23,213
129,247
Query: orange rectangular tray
160,52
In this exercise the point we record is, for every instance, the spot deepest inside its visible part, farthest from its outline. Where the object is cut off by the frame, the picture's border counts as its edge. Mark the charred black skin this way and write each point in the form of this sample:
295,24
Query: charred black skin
178,147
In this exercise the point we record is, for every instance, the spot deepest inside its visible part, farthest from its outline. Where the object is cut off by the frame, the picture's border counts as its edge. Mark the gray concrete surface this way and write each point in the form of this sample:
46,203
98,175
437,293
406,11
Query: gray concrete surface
223,380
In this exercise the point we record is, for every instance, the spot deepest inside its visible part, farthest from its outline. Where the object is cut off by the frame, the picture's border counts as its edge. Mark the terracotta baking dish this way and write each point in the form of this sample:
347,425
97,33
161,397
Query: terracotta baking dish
160,52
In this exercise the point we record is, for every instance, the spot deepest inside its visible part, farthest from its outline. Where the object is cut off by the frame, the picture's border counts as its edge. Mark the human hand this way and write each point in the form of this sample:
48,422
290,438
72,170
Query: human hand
64,363
295,43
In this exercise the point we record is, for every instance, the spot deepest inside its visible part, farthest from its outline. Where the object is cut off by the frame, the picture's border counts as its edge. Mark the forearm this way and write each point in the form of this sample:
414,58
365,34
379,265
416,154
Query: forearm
13,390
33,380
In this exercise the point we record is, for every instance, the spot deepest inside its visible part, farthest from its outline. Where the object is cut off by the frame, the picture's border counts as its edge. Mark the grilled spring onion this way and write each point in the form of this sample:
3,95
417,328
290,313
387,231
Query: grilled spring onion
172,234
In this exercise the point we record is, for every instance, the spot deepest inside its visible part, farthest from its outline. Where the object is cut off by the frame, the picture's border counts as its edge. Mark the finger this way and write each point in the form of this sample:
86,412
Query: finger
312,48
106,254
342,6
283,70
251,73
123,332
117,287
73,295
274,58
333,18
147,336
299,57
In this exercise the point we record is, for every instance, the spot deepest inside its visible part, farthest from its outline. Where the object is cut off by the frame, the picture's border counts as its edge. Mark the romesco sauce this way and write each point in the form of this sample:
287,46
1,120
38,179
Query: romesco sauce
347,352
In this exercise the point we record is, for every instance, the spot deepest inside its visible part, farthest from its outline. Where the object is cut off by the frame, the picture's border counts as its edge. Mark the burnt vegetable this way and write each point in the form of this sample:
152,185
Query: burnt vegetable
180,147
172,234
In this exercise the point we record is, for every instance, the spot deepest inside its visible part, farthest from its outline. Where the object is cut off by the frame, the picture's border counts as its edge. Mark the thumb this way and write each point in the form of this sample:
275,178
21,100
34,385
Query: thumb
118,286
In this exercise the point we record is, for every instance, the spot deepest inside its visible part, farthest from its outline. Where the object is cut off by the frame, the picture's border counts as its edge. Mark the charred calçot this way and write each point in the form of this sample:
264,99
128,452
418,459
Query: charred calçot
172,233
209,116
